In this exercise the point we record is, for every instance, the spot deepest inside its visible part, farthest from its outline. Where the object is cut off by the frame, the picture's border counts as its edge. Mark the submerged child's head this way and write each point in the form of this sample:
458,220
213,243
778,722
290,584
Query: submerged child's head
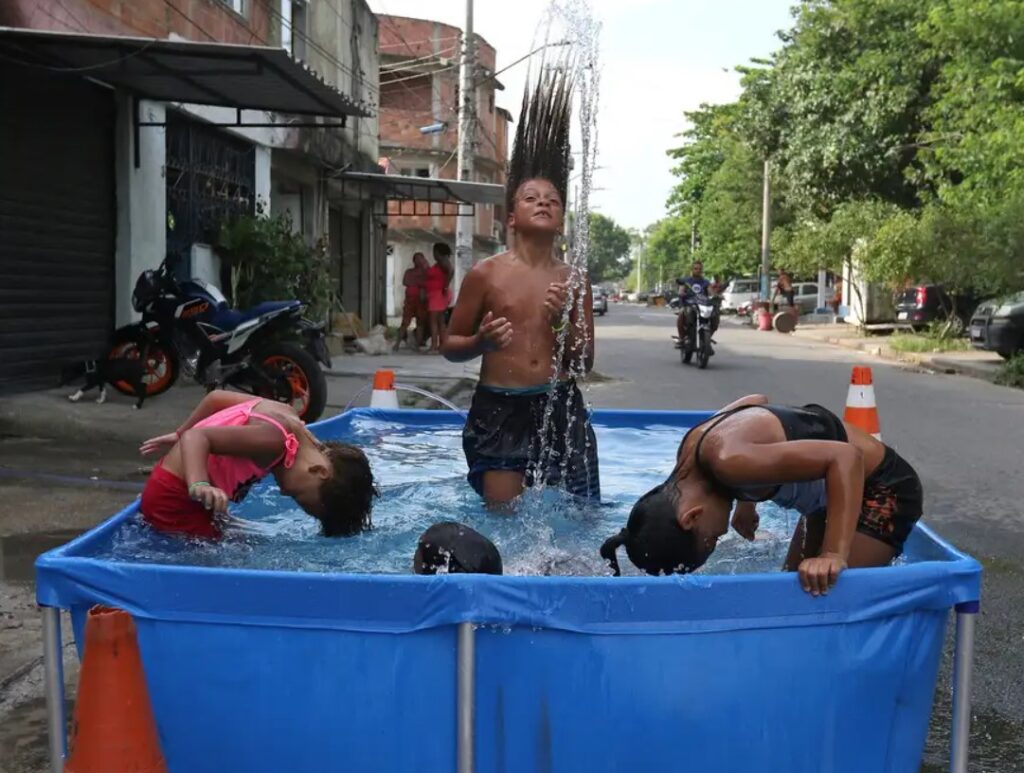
456,549
669,532
332,482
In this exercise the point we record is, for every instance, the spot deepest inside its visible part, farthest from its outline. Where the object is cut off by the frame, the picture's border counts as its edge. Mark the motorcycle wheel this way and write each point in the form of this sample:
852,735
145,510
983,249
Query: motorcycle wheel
160,369
305,379
703,349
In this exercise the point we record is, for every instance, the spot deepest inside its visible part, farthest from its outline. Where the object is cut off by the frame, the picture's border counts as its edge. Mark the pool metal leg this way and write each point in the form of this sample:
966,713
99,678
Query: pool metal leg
466,696
53,674
963,662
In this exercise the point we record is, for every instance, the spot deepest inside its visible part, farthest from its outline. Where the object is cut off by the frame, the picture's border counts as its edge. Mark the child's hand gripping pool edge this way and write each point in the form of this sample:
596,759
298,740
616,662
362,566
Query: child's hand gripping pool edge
858,499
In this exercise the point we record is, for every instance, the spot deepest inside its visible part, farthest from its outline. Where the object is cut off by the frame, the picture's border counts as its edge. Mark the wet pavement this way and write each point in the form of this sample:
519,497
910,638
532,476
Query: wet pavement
64,468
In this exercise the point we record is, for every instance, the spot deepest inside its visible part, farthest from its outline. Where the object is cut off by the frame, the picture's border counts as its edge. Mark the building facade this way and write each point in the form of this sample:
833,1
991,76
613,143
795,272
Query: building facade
105,182
419,136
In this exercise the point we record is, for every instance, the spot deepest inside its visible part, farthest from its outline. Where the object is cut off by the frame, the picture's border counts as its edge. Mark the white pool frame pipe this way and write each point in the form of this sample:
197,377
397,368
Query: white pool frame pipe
963,680
466,692
963,676
53,676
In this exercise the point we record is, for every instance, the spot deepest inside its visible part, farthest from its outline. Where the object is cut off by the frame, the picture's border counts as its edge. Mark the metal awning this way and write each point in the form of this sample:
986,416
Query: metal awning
431,189
423,193
241,77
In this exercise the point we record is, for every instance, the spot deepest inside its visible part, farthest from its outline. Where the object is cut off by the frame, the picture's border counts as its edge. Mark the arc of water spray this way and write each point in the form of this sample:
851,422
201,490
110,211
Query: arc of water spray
581,62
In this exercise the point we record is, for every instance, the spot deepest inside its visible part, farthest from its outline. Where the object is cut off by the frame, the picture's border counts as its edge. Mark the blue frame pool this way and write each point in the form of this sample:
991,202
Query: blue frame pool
272,670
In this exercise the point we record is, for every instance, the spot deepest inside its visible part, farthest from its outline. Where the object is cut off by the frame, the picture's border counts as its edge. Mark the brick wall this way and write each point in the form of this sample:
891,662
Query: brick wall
408,103
203,20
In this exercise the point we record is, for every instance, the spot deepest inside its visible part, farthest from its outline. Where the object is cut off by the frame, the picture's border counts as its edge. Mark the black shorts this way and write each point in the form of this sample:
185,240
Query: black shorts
504,432
893,501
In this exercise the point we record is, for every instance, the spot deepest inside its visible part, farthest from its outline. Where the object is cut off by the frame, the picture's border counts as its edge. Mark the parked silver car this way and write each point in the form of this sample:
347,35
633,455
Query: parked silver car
600,301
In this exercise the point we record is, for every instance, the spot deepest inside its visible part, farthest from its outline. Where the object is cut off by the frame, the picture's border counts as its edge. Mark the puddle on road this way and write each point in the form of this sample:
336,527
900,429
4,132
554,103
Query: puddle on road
996,745
18,553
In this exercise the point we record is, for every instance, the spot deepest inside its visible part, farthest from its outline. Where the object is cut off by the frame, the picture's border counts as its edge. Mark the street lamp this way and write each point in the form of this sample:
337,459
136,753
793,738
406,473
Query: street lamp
435,128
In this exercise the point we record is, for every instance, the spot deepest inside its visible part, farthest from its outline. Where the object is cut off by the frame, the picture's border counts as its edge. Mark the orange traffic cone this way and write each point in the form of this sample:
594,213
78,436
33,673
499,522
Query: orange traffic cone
113,729
861,410
384,394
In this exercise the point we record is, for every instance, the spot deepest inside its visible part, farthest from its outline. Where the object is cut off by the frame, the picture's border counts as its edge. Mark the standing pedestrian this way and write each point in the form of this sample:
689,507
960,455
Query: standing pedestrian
414,307
439,294
784,287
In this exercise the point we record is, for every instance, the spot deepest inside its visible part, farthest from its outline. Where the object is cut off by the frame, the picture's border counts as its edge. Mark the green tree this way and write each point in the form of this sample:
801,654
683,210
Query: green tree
667,249
971,151
730,221
609,249
848,90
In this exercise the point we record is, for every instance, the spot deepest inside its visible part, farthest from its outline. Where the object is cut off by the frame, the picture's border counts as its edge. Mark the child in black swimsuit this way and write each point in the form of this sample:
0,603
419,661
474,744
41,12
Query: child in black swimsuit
859,499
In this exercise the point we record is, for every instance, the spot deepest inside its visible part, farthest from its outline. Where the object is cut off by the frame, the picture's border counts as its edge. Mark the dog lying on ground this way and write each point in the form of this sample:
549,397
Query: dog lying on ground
99,373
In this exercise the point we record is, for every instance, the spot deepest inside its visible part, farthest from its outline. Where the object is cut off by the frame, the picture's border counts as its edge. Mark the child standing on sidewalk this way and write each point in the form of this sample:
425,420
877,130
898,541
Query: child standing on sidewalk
232,440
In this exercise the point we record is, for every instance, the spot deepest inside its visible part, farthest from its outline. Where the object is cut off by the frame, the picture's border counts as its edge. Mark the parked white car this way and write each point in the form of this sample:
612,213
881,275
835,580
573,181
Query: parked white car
739,292
806,296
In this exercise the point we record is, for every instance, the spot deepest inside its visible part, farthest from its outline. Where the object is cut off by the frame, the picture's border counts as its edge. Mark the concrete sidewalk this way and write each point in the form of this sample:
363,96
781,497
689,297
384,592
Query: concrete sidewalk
49,414
974,363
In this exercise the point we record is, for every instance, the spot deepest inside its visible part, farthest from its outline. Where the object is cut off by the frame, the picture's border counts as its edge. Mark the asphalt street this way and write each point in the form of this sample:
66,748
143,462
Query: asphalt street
964,436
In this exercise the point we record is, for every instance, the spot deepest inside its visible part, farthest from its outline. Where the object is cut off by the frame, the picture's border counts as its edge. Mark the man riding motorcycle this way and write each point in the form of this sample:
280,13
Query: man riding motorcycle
689,288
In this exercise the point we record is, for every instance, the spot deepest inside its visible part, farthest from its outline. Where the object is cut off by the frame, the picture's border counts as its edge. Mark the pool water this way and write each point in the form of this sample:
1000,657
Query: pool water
421,478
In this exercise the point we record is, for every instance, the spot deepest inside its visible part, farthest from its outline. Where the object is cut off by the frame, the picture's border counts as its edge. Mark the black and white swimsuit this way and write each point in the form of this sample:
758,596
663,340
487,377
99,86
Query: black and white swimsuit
893,497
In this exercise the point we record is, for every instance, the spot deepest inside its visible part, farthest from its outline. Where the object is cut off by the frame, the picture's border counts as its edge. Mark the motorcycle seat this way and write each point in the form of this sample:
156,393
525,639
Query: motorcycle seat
229,319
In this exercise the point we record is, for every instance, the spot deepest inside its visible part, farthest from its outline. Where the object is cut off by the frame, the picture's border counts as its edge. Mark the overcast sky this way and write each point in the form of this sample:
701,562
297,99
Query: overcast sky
659,58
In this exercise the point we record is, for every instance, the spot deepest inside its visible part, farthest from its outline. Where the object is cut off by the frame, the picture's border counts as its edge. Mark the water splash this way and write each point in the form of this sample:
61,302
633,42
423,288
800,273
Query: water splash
422,469
573,21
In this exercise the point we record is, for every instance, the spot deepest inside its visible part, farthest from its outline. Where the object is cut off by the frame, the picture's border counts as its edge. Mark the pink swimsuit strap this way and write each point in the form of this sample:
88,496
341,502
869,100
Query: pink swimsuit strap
242,413
291,443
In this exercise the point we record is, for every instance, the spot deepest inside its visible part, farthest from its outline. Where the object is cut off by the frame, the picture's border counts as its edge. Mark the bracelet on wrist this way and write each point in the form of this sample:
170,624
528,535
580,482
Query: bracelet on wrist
197,484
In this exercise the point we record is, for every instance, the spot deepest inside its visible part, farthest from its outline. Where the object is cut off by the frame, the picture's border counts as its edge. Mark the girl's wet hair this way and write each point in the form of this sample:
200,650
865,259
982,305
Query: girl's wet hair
347,496
457,549
653,538
541,148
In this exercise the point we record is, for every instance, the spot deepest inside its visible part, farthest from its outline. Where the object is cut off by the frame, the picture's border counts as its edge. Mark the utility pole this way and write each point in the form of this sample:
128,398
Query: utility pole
766,232
464,225
693,240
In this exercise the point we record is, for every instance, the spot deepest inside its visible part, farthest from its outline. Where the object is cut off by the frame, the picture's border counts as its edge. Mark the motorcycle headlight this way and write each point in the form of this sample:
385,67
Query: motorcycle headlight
706,309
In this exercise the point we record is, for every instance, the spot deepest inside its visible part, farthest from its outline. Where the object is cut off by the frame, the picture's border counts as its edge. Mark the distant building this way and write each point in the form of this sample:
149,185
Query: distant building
419,87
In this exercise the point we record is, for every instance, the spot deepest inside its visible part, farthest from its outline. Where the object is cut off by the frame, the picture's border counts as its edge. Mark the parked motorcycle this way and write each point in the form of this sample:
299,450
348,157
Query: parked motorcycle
699,330
270,350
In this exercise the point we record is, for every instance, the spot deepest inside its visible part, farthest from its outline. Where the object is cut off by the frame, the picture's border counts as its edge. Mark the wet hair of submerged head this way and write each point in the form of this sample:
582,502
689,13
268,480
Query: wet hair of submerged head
454,548
653,538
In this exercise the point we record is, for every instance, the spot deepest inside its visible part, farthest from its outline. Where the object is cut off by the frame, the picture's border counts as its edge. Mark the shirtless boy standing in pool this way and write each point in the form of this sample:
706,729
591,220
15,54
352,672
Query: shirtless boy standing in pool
510,311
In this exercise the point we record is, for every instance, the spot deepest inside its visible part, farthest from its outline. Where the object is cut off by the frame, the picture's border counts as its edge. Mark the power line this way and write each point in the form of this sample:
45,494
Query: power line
268,4
74,18
189,19
85,68
406,63
423,74
426,40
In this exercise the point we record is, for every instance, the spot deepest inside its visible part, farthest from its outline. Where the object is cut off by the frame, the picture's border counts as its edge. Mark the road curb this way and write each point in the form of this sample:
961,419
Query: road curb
919,359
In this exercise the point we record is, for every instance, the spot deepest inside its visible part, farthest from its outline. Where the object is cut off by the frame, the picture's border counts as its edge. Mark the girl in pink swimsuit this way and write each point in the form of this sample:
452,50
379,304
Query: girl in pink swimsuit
231,441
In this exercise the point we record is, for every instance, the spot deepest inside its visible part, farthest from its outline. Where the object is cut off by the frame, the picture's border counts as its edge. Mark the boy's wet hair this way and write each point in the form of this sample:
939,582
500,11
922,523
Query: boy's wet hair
347,496
541,149
654,540
456,549
441,249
